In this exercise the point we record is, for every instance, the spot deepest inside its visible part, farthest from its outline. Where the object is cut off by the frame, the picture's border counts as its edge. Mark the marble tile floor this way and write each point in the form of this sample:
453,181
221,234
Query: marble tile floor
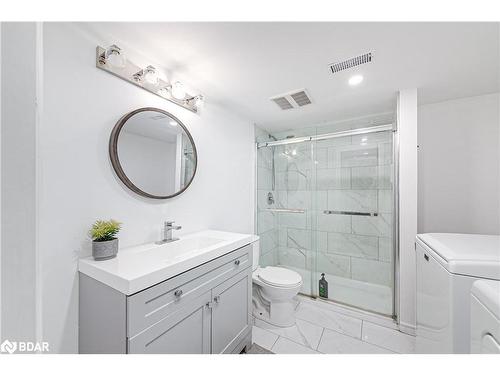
322,327
257,349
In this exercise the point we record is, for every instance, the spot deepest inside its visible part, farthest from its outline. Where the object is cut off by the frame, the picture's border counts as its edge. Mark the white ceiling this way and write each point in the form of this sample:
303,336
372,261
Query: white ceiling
241,65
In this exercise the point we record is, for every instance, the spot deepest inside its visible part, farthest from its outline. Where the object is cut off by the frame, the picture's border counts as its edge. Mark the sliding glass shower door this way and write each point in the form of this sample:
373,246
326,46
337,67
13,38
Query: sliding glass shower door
354,220
284,208
325,206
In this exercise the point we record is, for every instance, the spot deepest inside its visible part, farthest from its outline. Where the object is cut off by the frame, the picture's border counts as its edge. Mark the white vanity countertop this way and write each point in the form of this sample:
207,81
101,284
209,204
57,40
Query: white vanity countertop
139,267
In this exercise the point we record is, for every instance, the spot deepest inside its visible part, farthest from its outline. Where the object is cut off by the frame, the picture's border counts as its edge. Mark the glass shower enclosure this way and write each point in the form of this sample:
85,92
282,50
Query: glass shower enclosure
325,205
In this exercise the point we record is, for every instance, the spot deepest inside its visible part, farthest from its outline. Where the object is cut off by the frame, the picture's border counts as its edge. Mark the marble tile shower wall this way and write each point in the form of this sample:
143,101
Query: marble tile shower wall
347,174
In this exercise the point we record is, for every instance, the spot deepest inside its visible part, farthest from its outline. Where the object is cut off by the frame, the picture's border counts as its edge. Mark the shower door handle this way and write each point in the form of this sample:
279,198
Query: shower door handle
289,210
331,212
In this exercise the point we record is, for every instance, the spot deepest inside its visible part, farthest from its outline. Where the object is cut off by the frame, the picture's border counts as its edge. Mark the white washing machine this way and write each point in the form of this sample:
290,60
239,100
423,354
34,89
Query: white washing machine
485,317
447,266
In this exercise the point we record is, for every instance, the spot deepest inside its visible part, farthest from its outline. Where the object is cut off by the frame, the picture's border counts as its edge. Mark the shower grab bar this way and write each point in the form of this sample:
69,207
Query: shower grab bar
289,210
330,212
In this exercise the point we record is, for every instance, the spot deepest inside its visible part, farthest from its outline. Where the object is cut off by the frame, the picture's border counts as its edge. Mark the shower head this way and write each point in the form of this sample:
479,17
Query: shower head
272,137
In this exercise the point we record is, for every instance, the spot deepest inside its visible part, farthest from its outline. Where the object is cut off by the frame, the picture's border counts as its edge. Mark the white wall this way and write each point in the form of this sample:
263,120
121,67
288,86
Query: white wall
0,181
78,186
458,166
407,135
18,187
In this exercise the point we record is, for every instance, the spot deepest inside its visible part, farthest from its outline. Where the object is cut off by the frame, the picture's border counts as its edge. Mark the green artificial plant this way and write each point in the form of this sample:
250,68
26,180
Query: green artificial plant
103,230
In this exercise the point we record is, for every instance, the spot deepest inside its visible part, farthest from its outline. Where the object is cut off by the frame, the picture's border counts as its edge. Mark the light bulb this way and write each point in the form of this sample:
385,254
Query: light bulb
199,101
164,92
178,91
355,80
150,75
115,57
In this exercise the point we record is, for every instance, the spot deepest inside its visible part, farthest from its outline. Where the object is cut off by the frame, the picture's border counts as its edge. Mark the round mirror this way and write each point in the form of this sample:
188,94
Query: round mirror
153,153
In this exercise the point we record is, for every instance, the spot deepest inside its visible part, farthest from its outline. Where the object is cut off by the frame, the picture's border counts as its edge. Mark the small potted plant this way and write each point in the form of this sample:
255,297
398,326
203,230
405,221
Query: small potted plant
104,240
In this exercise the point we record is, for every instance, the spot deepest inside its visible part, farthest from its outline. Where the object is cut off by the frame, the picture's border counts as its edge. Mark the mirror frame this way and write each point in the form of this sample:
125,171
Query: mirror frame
115,160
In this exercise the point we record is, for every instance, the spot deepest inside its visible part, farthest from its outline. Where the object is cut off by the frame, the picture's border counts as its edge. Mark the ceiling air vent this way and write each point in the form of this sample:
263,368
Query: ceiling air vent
351,63
282,102
301,98
294,99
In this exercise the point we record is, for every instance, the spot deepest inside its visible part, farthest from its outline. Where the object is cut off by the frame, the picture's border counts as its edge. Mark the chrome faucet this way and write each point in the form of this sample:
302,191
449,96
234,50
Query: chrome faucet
167,232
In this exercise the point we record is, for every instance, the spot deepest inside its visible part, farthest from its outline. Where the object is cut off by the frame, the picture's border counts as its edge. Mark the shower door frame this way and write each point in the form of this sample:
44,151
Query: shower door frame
395,165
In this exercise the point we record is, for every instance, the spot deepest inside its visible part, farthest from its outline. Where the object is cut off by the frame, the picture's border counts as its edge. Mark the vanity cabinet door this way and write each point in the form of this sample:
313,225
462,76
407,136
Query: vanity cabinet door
230,318
151,305
185,331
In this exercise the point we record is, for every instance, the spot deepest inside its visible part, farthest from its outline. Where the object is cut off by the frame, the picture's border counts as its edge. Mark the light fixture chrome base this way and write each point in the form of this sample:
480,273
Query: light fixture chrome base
129,74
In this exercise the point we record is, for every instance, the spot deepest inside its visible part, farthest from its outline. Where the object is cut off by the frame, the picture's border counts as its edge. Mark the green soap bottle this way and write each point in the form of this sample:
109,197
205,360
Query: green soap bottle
323,287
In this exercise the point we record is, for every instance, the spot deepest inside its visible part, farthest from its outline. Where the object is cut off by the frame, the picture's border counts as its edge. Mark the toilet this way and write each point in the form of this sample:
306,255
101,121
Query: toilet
274,290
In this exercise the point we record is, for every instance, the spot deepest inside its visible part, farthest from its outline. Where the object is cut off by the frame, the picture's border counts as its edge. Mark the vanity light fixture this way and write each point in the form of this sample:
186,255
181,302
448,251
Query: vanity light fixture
151,75
164,92
148,74
198,101
114,61
177,91
114,57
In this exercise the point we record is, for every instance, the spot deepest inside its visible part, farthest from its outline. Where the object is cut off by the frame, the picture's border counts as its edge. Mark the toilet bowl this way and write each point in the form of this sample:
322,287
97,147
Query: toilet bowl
274,291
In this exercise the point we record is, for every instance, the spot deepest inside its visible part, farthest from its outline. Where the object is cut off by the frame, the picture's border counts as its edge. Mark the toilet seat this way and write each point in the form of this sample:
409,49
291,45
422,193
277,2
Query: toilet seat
279,277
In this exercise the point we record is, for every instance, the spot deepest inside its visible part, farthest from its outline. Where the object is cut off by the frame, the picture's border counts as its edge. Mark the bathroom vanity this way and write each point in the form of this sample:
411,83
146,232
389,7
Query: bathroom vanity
188,296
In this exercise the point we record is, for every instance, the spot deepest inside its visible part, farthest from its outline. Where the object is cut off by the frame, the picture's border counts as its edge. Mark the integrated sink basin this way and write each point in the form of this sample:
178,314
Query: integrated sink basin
170,251
139,267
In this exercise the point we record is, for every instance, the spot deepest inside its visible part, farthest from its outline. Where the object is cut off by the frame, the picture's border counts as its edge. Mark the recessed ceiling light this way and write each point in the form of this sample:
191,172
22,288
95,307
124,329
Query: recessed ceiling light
355,80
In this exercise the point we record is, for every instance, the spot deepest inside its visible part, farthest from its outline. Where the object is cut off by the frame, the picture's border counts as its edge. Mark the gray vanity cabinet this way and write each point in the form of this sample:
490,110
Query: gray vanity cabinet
230,312
185,331
203,310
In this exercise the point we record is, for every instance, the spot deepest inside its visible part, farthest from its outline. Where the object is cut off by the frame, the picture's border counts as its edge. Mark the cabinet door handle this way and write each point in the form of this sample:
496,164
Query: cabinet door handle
216,299
237,262
426,257
178,293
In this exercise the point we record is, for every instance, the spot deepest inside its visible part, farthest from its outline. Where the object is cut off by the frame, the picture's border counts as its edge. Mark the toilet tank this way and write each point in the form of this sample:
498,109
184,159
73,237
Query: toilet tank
256,254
